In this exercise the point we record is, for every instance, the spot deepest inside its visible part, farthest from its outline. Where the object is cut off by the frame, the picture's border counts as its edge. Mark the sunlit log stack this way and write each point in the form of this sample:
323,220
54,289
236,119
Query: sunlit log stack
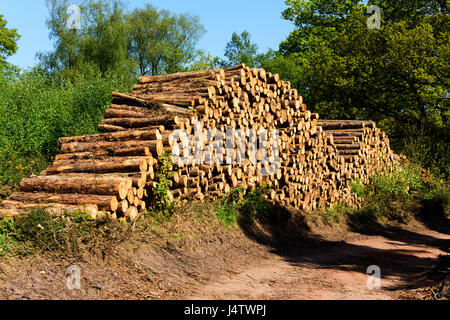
102,174
243,98
113,172
363,146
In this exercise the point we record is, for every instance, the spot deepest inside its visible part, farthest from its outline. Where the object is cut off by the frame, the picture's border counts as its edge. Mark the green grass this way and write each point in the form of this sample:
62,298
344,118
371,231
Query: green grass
68,235
408,191
252,204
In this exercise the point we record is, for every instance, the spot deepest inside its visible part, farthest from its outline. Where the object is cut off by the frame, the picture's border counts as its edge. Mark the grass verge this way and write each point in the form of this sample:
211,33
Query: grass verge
409,192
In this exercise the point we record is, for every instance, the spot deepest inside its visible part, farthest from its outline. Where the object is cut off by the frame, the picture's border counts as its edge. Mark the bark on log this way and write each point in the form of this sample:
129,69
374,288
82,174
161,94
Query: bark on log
108,203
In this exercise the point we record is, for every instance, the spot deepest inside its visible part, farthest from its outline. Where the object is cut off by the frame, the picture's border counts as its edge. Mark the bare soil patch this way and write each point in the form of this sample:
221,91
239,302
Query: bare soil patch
195,257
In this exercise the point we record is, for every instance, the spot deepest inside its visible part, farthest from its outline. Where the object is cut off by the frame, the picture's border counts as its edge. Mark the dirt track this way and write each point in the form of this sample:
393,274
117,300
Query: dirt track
336,271
330,264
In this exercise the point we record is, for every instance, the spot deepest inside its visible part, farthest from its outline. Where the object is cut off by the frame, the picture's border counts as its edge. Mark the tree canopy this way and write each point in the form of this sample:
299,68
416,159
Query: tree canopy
8,41
113,40
241,49
162,42
396,75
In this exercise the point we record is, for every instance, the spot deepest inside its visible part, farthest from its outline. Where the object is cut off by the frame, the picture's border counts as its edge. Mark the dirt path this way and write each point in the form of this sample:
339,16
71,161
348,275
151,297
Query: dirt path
299,263
333,271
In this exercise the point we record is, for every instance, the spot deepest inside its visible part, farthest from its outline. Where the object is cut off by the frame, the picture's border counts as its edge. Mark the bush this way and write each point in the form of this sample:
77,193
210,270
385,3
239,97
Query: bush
335,213
62,235
6,238
228,207
162,198
36,112
427,146
401,193
252,205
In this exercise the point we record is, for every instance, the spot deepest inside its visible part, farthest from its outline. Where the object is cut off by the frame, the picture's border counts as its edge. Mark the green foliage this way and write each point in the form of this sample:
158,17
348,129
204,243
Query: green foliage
427,147
335,213
39,230
403,192
396,75
400,185
15,165
162,198
228,207
6,238
100,44
162,42
203,62
116,41
8,41
358,187
35,113
252,204
227,215
408,191
255,204
241,49
287,66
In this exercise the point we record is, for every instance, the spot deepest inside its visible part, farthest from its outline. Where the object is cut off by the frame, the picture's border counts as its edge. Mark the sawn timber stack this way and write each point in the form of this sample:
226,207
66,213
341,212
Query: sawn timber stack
113,172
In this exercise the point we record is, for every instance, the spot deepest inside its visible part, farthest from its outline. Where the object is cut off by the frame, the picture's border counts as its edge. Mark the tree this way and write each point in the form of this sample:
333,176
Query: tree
100,45
287,66
241,50
162,42
8,41
397,75
203,61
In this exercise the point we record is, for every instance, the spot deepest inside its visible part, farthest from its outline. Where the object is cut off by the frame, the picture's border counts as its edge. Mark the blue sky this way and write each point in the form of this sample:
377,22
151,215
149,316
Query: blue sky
262,18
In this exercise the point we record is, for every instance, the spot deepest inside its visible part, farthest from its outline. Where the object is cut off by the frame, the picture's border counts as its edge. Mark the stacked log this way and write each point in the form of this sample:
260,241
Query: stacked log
102,173
241,99
311,161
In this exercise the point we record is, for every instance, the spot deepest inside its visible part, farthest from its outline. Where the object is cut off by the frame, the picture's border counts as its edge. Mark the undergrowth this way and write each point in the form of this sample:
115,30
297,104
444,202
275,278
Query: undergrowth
252,204
35,112
163,201
409,191
395,196
68,235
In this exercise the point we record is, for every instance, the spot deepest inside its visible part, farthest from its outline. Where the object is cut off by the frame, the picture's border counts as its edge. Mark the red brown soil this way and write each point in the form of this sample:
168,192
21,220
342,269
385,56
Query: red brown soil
210,262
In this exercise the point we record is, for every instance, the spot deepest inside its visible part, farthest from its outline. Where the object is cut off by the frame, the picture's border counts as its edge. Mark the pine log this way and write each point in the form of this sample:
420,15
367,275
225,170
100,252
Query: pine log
38,184
108,203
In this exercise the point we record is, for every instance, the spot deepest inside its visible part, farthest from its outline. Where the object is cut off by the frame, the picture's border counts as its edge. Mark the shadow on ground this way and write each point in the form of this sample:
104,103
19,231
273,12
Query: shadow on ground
289,235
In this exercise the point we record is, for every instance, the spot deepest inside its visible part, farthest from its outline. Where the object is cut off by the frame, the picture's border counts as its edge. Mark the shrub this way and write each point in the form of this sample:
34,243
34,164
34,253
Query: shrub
401,193
228,207
253,205
36,112
61,235
6,238
162,197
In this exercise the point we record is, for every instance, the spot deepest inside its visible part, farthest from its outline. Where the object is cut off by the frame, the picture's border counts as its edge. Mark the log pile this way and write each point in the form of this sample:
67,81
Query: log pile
102,173
194,114
364,147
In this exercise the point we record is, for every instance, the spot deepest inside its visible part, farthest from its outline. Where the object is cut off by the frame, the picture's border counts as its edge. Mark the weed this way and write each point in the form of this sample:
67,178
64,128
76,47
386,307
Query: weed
335,213
39,230
252,204
162,198
397,196
6,239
